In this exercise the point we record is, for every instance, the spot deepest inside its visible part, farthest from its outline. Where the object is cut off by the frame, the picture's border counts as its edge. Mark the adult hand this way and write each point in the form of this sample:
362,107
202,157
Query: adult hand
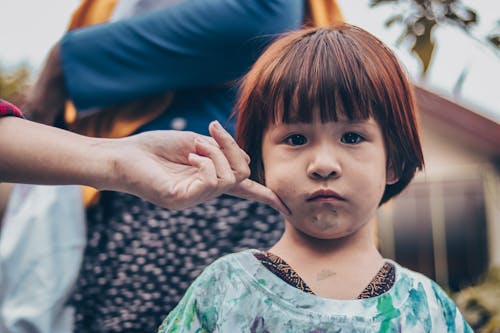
181,169
46,99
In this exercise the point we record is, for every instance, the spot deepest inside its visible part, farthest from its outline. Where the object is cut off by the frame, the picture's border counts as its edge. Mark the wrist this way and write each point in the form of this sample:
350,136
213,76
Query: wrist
104,165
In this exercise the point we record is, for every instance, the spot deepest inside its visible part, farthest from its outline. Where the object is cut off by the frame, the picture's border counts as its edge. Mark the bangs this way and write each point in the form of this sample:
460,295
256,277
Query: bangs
319,76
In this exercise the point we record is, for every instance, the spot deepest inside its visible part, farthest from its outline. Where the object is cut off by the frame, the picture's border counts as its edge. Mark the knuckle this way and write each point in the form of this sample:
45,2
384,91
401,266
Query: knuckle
228,143
233,144
242,172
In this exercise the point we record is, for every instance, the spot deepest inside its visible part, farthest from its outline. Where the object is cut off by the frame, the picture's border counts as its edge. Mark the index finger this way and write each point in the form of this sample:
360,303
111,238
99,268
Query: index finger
249,189
234,154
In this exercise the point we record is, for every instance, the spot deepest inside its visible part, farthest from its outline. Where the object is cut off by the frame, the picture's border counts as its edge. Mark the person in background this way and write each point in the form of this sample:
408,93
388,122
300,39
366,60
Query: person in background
337,138
173,68
173,169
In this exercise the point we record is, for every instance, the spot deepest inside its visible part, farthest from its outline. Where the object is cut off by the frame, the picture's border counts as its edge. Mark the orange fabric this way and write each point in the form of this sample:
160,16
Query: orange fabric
119,121
92,12
323,13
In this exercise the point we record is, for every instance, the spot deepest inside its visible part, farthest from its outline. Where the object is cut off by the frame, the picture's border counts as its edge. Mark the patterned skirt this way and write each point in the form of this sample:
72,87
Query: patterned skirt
141,258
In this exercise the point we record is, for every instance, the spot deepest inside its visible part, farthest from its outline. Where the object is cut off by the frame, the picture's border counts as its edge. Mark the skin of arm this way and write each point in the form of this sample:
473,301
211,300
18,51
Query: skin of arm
174,169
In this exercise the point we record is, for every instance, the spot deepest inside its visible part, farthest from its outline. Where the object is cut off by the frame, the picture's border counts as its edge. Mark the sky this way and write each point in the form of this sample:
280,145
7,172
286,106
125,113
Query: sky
30,27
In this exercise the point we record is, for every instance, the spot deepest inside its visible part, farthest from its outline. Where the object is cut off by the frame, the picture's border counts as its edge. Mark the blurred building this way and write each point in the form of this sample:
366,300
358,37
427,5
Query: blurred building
447,223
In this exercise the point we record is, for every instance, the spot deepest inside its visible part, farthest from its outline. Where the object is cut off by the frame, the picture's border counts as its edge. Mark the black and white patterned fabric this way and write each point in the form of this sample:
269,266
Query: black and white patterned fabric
141,258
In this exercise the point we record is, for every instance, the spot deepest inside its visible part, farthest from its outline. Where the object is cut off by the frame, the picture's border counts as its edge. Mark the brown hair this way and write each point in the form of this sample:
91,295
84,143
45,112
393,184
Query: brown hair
342,70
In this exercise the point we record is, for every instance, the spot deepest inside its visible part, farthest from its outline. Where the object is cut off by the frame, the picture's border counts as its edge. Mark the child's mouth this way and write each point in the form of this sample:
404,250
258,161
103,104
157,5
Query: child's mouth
325,195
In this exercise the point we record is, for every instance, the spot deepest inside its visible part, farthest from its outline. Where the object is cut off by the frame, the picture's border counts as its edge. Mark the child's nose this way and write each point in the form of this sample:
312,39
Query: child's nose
324,165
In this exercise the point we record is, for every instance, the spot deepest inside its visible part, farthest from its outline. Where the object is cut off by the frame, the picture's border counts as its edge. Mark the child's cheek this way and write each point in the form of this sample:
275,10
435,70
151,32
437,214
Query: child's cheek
283,189
279,179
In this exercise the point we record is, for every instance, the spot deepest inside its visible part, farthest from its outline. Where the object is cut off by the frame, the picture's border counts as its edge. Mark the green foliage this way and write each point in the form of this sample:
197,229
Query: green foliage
14,84
480,304
420,18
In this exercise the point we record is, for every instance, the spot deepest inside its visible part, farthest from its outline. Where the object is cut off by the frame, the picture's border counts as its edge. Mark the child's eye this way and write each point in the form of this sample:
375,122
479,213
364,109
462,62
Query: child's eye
296,140
351,138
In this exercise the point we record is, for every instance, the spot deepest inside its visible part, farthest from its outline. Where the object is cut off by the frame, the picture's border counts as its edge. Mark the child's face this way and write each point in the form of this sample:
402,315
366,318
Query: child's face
331,175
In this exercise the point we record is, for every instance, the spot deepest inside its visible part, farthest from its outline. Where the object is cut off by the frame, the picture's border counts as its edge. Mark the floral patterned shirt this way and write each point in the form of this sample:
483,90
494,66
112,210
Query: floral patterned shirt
239,294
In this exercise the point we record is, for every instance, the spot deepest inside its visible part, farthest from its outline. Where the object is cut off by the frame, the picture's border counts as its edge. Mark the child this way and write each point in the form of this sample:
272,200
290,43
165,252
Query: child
328,118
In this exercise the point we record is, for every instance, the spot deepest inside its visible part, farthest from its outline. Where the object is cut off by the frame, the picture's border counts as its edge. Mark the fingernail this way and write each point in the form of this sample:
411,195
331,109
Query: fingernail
217,125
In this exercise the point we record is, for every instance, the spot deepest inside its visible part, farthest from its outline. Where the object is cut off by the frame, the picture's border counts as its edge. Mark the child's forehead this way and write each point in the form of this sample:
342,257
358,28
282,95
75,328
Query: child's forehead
340,121
315,114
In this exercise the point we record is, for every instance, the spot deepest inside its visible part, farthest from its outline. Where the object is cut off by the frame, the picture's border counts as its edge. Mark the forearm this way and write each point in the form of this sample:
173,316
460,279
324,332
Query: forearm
39,154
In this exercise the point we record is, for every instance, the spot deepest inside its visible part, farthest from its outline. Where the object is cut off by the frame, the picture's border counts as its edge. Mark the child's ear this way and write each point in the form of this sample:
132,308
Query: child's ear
390,175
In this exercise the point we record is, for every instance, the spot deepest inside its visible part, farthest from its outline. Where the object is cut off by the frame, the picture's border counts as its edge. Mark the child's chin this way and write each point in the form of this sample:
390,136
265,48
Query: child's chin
331,236
327,234
330,233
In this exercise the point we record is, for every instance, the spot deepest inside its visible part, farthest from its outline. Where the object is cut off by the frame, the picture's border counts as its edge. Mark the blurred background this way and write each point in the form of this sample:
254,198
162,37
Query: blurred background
447,223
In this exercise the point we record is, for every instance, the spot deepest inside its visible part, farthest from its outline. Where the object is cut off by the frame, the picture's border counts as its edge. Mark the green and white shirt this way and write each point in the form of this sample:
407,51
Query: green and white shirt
238,294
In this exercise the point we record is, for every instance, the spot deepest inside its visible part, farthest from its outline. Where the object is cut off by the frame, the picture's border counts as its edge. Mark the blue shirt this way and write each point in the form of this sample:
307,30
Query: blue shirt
197,49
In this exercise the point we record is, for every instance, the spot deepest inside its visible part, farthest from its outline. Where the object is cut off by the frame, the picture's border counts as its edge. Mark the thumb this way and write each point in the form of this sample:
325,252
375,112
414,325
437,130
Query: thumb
249,189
